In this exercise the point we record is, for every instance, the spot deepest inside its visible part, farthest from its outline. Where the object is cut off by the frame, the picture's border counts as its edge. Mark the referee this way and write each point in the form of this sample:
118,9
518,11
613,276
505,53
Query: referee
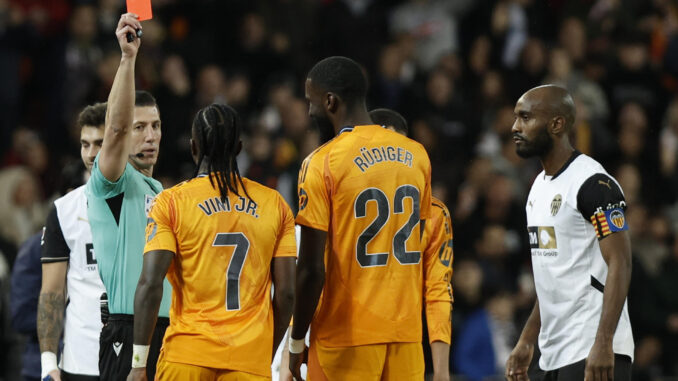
119,193
581,252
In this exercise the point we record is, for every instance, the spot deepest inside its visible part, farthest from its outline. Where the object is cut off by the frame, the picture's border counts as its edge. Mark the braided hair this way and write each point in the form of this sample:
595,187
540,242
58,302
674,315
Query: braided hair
217,130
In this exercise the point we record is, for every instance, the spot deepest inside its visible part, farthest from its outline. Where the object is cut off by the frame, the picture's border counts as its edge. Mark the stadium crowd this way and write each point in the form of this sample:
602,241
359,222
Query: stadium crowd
454,69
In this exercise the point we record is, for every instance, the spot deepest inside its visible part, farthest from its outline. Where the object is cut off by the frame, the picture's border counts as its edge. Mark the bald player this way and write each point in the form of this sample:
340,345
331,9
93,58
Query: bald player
437,256
362,196
581,252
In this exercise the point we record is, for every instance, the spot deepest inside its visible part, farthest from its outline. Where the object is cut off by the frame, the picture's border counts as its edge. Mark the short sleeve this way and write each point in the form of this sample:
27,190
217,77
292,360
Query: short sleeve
286,245
314,202
53,244
160,225
601,201
99,186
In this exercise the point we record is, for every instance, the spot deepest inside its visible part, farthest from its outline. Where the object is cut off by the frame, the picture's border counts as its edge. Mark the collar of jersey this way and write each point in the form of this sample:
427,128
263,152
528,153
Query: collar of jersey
569,161
350,128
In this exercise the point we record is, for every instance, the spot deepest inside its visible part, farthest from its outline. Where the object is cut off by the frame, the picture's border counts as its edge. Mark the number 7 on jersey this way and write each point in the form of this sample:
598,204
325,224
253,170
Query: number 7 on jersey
242,247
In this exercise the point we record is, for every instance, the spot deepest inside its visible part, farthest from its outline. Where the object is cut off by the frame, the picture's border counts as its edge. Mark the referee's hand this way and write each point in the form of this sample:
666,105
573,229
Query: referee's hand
518,362
129,23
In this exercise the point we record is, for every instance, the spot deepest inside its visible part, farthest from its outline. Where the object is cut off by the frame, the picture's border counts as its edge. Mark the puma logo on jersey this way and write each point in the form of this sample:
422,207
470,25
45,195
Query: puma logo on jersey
607,184
117,347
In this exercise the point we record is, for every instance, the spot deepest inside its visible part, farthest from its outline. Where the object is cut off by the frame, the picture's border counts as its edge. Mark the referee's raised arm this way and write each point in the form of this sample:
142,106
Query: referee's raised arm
120,112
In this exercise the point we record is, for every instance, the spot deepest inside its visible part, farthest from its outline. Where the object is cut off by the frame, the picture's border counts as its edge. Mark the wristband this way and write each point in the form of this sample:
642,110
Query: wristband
48,363
297,346
139,355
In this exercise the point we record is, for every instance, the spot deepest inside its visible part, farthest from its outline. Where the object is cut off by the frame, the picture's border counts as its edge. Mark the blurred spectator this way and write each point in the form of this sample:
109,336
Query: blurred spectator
485,338
668,149
24,302
531,68
572,37
483,324
254,53
21,210
340,23
82,57
667,282
174,96
509,25
431,24
392,77
210,86
633,79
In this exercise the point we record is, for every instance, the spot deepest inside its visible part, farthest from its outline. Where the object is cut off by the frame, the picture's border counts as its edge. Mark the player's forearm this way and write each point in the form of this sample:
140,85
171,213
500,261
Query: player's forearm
309,286
51,306
147,300
532,326
283,301
616,289
438,297
120,112
119,119
440,354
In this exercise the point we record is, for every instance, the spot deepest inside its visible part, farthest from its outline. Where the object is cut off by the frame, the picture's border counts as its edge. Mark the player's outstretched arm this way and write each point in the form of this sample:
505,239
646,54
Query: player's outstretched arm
283,269
51,305
521,356
309,286
147,300
616,250
120,113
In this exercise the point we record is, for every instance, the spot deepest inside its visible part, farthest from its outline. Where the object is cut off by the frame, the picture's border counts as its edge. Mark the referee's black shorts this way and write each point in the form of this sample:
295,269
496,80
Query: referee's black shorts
572,372
115,347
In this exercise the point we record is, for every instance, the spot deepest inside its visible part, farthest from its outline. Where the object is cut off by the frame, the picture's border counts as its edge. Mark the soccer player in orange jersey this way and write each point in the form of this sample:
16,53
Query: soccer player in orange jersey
361,198
221,239
438,257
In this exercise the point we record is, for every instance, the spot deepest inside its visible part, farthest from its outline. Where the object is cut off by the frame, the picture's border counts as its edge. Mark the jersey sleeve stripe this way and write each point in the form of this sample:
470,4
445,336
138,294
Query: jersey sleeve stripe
51,260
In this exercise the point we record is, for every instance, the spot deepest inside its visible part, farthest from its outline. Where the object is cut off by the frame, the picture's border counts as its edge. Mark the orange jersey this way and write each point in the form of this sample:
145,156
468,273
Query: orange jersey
438,257
221,314
368,188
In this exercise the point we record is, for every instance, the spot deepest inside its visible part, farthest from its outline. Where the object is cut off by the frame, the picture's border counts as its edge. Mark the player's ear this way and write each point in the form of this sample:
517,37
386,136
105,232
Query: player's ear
557,125
331,102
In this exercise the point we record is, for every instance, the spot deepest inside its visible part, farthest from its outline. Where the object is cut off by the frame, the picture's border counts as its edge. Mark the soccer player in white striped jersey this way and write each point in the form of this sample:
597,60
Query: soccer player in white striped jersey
581,251
69,267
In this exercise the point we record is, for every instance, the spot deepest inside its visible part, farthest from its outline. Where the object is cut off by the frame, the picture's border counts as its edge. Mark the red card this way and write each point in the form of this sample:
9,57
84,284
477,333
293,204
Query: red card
141,8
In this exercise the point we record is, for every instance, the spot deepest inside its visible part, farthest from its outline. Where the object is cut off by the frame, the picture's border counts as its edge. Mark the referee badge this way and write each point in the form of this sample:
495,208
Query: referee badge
555,204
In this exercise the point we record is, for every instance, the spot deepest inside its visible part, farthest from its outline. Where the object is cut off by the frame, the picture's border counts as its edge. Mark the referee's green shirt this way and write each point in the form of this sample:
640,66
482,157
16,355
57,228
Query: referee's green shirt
117,213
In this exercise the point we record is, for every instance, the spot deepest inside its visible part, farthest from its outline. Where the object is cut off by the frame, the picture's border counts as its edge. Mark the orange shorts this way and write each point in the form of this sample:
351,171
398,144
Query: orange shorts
171,371
376,362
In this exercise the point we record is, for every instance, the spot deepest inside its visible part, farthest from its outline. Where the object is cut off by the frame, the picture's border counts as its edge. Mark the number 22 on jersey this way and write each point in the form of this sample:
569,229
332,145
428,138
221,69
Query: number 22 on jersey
401,254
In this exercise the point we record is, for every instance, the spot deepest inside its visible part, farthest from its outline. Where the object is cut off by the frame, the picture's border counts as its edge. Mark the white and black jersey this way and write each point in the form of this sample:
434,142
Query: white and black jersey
68,237
567,214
